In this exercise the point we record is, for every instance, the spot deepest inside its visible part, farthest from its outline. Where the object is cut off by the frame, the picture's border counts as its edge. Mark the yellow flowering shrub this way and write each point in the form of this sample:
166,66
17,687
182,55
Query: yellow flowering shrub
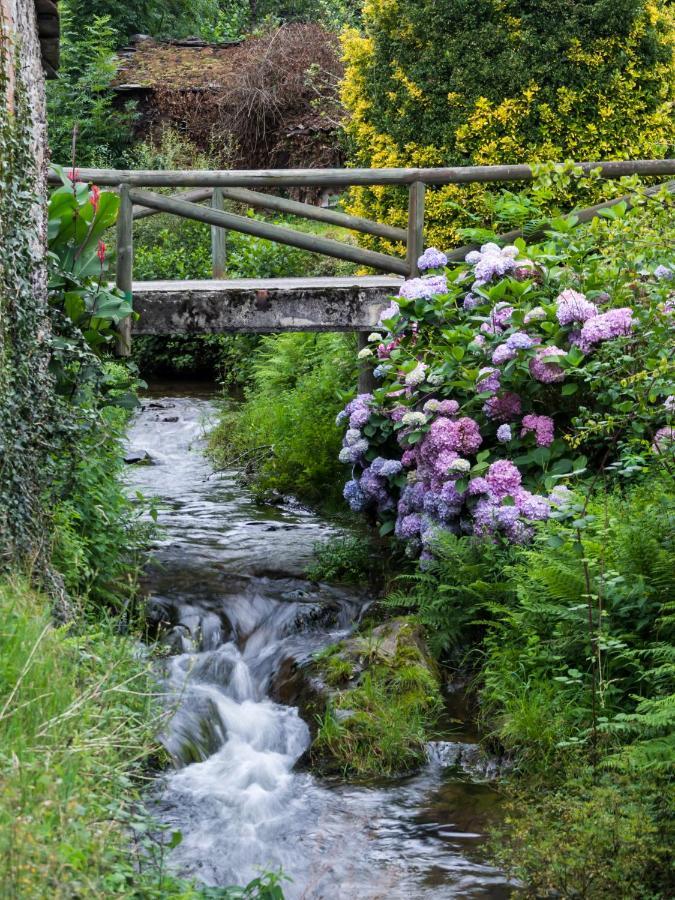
500,81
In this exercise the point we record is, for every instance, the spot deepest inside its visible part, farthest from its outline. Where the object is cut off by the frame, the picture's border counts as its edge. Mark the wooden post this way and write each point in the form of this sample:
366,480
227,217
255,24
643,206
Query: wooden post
125,262
218,237
366,377
415,226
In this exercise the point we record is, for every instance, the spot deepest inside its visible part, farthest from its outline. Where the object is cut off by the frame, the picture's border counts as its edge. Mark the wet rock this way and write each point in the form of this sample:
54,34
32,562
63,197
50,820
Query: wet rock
170,419
139,458
295,684
469,757
178,639
196,733
296,596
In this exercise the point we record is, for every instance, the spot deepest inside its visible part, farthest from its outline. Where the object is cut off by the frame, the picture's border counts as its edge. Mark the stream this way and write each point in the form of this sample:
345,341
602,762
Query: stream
226,578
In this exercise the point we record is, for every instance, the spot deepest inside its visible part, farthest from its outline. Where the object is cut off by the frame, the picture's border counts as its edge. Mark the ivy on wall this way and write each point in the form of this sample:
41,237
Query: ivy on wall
27,403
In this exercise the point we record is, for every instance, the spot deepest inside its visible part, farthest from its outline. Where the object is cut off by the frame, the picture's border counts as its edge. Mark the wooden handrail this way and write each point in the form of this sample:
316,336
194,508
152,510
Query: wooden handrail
350,177
289,207
277,233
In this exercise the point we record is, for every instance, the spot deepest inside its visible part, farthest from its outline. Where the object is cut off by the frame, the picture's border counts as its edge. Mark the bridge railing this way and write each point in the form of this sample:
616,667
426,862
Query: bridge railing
137,202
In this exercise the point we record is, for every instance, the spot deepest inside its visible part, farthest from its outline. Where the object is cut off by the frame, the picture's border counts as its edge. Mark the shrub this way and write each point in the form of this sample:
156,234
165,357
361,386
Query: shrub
501,381
455,83
608,839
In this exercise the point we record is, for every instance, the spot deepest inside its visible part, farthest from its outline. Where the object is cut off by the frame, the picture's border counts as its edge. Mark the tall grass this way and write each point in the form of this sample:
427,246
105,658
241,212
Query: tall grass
76,725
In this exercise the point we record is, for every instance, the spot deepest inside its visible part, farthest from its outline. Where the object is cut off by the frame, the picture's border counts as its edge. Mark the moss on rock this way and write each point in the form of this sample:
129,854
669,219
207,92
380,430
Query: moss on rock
382,698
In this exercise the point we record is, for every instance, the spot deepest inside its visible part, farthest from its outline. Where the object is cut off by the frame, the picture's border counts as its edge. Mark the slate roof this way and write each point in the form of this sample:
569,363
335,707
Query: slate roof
179,65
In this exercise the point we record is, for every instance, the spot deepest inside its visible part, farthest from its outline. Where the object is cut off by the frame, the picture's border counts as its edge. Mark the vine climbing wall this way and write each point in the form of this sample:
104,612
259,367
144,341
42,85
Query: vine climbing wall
27,404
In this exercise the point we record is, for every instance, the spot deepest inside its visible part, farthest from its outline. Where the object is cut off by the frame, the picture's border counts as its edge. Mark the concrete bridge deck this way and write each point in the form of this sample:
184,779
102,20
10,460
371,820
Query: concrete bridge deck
262,305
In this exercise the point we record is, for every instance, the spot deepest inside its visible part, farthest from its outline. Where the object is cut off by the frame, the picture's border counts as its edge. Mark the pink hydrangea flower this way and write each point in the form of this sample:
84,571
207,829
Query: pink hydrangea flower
547,373
574,307
503,353
605,327
542,426
488,380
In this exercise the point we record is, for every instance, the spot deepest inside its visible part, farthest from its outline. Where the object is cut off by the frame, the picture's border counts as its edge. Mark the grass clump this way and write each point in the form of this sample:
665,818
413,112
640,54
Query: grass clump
386,701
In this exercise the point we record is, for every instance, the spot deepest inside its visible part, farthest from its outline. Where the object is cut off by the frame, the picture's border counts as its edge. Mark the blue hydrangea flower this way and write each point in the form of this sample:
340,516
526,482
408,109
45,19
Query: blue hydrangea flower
432,259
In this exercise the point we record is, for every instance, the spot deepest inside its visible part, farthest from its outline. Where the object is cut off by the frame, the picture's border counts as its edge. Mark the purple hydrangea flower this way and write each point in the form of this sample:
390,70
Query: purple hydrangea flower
533,506
412,499
390,312
436,284
503,408
488,380
503,479
432,259
353,452
542,426
409,458
408,526
548,373
397,413
464,435
664,273
605,327
471,301
423,288
574,307
504,434
503,353
448,407
380,371
373,486
390,468
478,486
492,262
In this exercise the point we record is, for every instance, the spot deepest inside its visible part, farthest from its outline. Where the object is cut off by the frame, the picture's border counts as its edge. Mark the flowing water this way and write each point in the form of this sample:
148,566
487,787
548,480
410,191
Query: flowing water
226,582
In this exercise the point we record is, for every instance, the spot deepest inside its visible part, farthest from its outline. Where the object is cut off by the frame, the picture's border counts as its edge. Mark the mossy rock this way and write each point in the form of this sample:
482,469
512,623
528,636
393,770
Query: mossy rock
381,696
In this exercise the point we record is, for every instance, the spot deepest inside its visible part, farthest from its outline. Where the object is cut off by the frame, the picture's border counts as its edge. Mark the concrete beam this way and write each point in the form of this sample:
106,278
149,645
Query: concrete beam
261,305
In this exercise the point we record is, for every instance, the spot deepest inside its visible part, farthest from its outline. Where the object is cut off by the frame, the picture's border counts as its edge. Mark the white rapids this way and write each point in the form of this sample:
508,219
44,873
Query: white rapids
226,579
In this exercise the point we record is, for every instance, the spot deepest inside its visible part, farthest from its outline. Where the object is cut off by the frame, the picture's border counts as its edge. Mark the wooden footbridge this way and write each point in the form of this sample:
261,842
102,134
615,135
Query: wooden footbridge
290,304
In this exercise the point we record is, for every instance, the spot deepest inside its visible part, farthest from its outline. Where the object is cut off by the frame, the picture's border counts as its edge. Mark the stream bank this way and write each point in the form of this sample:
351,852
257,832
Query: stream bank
229,597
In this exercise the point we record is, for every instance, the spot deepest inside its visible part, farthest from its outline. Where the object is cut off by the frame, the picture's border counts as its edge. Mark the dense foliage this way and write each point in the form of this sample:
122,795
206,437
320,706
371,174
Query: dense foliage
80,103
506,379
285,436
456,83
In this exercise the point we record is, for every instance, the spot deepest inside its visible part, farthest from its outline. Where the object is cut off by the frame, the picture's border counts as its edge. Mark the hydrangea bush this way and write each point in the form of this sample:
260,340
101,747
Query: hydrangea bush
501,382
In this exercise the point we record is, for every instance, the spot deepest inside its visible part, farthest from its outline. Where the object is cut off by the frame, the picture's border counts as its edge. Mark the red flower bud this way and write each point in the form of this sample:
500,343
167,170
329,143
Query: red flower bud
95,196
101,251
